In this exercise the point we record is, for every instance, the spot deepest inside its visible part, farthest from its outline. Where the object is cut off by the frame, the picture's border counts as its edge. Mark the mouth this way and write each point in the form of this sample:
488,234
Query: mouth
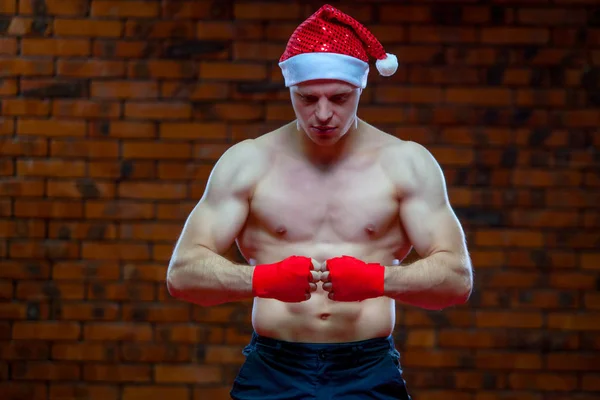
323,130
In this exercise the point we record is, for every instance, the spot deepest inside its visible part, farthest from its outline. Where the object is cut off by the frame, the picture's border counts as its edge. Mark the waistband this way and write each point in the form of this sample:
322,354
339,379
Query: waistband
375,346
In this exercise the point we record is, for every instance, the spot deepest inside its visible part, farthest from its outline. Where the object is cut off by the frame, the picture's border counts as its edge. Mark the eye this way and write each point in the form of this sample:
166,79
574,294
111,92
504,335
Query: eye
308,99
340,98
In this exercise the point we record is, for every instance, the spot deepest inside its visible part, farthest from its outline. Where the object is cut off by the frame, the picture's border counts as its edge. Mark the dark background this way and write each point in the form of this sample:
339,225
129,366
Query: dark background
114,112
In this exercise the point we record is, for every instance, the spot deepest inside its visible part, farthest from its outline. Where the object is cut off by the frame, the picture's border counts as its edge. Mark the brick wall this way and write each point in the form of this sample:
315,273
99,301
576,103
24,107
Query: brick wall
113,113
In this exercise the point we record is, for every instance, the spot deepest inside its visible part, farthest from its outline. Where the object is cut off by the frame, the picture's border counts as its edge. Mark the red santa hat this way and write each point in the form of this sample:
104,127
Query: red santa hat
333,45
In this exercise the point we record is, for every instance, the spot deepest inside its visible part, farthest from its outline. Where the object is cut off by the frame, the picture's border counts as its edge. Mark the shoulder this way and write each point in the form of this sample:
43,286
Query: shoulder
240,167
412,167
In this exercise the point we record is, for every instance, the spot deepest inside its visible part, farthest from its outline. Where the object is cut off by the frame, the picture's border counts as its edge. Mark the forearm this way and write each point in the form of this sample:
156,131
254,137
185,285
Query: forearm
207,279
436,282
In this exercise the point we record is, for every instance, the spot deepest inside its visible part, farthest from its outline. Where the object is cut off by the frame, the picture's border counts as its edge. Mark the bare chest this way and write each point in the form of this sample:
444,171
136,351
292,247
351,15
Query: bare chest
351,205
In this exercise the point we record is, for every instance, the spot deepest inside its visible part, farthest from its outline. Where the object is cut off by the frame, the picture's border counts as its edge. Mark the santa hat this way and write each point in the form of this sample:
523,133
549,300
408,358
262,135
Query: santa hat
333,45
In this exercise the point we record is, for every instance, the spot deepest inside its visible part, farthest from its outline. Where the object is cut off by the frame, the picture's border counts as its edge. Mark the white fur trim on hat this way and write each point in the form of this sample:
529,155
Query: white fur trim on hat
311,66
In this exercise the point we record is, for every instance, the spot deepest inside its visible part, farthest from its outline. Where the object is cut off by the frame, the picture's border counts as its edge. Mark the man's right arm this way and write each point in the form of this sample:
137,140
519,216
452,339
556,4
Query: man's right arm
197,272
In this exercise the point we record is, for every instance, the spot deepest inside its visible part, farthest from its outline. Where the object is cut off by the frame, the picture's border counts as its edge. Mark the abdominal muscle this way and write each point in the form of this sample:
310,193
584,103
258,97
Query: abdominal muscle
320,319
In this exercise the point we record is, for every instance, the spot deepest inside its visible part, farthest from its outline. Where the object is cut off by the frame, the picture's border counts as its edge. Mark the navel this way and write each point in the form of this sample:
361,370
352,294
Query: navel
281,231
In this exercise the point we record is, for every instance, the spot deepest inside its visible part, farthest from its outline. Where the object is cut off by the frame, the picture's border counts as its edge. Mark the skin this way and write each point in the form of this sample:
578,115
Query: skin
353,190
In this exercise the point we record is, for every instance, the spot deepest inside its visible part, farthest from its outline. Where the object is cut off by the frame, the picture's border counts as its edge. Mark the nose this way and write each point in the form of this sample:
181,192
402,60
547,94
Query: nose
323,112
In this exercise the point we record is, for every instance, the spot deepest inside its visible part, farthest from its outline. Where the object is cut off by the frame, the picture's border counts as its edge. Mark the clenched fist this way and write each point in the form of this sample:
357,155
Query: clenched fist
350,279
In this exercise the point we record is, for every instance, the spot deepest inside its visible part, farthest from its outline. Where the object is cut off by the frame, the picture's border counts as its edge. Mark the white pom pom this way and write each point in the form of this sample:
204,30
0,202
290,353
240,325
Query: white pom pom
387,66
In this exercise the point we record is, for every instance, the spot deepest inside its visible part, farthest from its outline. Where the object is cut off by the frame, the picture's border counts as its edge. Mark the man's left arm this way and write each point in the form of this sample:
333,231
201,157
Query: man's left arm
443,275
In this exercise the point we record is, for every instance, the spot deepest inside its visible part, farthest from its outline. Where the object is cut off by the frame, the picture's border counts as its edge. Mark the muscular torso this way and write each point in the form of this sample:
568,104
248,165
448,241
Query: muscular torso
296,209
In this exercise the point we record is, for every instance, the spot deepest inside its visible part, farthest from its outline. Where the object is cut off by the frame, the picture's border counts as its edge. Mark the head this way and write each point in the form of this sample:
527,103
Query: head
325,109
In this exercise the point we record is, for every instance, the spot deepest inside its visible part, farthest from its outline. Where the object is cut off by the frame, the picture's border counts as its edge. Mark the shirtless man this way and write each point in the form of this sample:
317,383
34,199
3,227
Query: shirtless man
324,209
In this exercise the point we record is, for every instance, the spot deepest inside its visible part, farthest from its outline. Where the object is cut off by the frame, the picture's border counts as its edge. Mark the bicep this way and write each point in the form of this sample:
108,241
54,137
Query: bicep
431,226
215,223
425,211
222,211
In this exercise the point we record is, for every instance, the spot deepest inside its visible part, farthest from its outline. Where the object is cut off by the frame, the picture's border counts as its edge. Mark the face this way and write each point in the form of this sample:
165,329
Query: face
325,110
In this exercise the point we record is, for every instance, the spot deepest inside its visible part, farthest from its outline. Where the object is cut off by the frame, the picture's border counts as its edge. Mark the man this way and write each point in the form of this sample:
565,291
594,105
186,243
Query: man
324,209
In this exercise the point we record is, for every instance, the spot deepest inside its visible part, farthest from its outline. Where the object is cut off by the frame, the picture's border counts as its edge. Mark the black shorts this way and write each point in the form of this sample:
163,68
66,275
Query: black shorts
279,370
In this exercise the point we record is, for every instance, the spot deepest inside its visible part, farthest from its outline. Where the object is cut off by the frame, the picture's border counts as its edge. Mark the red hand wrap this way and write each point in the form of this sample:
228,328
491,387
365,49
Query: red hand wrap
354,280
286,280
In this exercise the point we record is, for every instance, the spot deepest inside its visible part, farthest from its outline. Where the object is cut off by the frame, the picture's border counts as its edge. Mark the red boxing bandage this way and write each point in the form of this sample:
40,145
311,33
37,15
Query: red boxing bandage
286,280
354,280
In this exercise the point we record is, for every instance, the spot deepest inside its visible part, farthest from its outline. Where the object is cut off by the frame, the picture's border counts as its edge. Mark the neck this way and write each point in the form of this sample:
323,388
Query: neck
325,157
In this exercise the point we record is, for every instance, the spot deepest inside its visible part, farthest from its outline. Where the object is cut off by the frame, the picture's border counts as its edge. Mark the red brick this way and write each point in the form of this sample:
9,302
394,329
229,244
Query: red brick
152,150
24,350
25,270
193,130
155,393
85,271
116,373
85,351
118,210
515,35
26,107
479,96
160,29
553,17
50,168
48,209
22,228
591,382
22,26
125,90
216,393
196,374
89,311
195,91
8,87
124,129
45,330
161,69
87,28
162,191
491,360
8,46
183,171
91,68
410,95
508,238
45,371
146,272
495,319
185,9
26,67
581,322
55,47
75,391
232,71
440,34
50,290
56,7
132,8
89,148
115,251
156,110
51,128
266,10
401,13
543,381
573,362
160,313
8,6
23,391
227,30
113,331
86,109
